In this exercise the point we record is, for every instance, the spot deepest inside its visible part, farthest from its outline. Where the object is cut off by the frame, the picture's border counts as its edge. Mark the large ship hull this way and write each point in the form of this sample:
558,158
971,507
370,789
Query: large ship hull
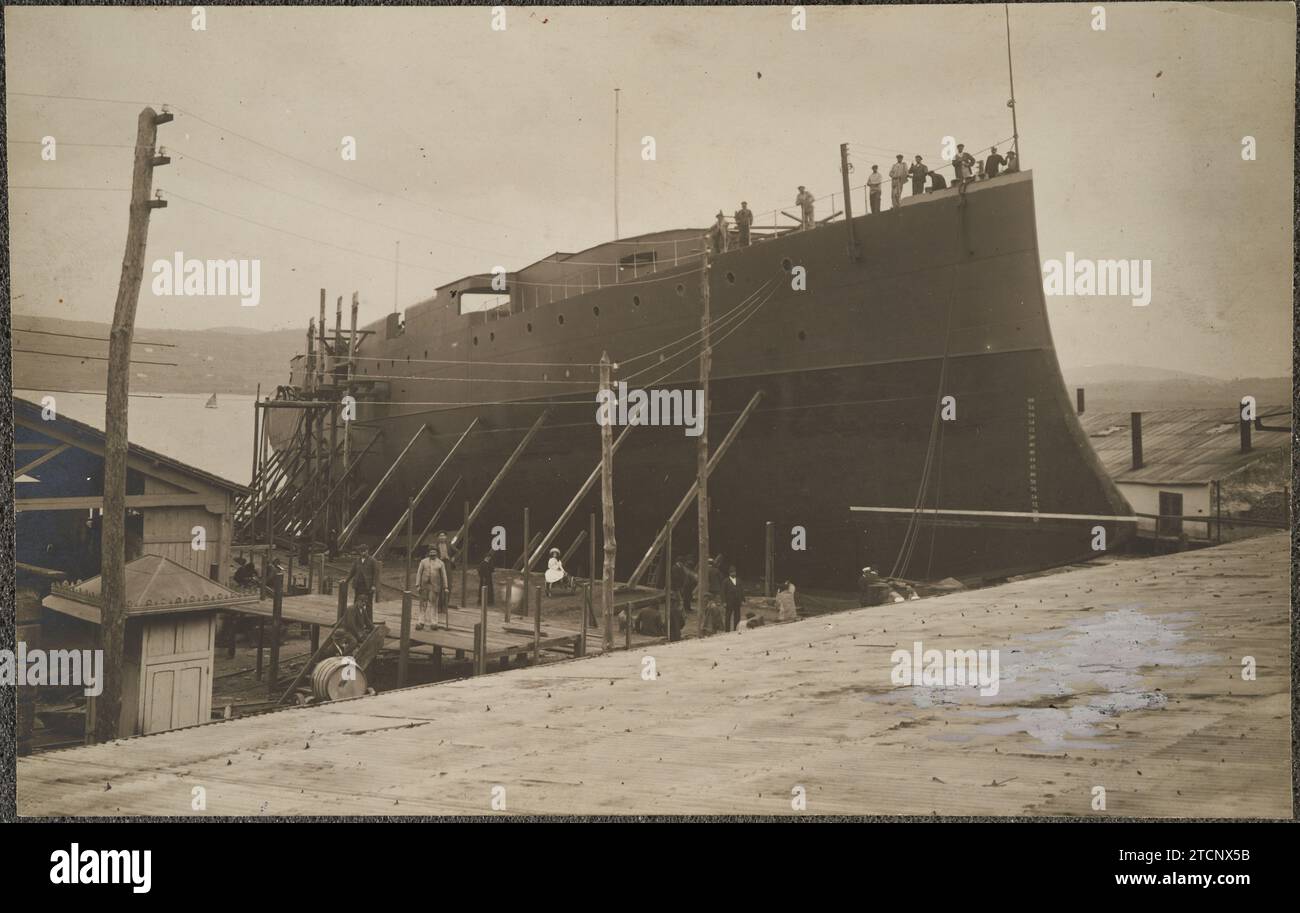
920,374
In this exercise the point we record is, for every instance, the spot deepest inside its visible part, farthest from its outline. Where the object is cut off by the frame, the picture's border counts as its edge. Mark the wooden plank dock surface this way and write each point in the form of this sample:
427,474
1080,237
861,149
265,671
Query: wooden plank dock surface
1126,676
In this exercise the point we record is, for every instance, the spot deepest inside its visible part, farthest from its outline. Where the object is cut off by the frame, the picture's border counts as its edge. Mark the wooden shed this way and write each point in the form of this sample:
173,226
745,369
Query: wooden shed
59,496
170,635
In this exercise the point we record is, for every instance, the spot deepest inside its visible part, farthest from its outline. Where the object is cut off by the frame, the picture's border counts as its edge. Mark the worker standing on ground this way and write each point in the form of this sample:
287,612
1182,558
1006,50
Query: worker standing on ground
874,180
364,579
918,171
732,598
744,218
897,177
805,202
684,583
432,585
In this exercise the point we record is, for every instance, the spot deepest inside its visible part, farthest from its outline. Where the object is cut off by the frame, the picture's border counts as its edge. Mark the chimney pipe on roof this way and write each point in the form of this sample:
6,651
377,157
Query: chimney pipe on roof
1078,397
1135,422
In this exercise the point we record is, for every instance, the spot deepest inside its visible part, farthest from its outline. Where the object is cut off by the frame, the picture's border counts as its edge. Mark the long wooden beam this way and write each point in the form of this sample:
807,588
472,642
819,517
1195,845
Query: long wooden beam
194,499
374,492
502,473
582,493
424,489
441,507
689,497
40,460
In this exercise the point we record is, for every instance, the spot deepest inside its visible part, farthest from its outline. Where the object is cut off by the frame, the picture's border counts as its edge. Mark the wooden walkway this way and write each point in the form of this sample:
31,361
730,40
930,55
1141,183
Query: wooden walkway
503,640
1126,677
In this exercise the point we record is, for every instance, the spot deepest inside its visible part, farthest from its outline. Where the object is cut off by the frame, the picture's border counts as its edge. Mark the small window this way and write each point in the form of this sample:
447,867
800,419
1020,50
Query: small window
560,319
529,327
636,301
475,340
802,335
787,265
731,278
681,289
475,302
595,311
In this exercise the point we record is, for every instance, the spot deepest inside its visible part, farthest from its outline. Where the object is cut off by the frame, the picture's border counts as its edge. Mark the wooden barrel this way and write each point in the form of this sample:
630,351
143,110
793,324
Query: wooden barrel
328,684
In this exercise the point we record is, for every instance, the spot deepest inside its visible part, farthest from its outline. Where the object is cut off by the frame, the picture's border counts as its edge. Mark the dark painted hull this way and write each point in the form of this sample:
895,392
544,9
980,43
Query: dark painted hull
946,300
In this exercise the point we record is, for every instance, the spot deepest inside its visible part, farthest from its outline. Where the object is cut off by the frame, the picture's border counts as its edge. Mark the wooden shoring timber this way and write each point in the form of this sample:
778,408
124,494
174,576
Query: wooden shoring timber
355,522
582,537
347,471
689,497
438,513
501,474
519,564
583,491
424,489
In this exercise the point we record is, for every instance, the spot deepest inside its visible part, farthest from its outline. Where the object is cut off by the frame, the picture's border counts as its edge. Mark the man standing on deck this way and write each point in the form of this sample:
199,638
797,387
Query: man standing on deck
364,578
918,171
732,597
719,234
432,585
993,164
805,203
874,180
897,176
744,218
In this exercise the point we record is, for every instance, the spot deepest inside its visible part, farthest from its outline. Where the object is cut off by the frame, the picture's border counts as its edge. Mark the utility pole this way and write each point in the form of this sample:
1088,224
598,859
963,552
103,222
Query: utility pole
112,627
845,168
702,443
607,506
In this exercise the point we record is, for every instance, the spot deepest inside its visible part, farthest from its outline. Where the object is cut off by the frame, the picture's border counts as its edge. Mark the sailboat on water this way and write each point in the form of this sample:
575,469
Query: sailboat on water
211,403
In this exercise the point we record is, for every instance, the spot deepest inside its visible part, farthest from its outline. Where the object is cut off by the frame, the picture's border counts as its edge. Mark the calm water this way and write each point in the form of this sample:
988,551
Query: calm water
219,441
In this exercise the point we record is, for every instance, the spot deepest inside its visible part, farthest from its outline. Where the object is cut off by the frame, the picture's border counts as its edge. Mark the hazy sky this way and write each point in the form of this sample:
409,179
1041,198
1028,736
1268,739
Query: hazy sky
496,147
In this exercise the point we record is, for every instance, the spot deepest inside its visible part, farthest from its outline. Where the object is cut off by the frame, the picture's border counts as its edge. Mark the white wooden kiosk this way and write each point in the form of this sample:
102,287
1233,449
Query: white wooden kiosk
170,633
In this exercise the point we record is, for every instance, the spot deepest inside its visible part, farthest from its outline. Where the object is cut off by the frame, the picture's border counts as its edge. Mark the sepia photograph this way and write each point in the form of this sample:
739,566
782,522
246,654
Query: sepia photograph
646,412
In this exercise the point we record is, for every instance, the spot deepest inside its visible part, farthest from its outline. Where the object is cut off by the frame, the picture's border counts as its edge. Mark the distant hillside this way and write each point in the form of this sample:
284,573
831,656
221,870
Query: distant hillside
226,360
1121,388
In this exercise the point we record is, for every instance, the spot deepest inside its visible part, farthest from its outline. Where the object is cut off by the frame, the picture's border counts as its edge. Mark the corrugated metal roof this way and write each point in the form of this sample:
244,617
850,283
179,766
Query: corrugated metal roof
1182,446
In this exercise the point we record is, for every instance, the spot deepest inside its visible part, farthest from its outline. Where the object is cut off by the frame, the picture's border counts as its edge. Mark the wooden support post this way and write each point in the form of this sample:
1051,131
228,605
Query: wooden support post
769,559
702,443
112,628
261,643
668,581
527,581
404,642
464,563
277,607
582,492
607,508
315,638
537,627
591,579
854,253
437,660
478,649
483,623
410,543
343,599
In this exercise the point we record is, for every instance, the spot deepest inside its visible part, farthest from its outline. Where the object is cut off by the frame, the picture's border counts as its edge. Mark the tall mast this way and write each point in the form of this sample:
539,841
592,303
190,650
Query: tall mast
616,164
1011,103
